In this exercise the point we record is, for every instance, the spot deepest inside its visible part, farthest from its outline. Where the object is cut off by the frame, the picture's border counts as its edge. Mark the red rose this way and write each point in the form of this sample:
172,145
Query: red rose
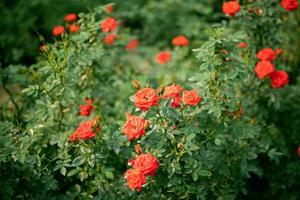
191,98
163,57
85,131
74,28
298,150
138,149
145,98
180,41
289,5
135,179
230,8
266,54
134,126
58,30
132,45
172,91
70,17
109,24
242,45
146,163
264,69
109,39
176,102
279,78
109,9
85,110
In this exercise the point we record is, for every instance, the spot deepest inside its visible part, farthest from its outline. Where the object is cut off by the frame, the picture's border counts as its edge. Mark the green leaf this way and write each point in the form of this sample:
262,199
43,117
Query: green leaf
78,161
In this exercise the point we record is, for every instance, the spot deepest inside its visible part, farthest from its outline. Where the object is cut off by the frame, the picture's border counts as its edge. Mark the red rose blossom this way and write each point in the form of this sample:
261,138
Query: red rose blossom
109,9
58,30
266,54
176,102
191,98
172,91
132,45
146,163
70,17
134,126
289,5
86,130
279,79
85,110
163,57
230,8
263,69
109,39
109,24
180,41
74,28
145,98
242,45
135,179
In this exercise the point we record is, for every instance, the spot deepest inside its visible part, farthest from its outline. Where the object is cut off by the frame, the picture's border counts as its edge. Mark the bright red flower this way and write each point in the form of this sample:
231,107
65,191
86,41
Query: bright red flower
109,9
263,69
74,28
191,98
70,17
230,8
109,39
109,24
266,54
289,5
85,110
176,102
242,45
180,41
135,179
172,91
58,30
146,163
163,57
86,130
134,126
145,98
279,79
132,45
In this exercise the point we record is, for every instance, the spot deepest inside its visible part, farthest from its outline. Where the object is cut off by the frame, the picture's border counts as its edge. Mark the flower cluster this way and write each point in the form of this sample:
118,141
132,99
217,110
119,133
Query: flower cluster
143,165
265,68
70,19
109,25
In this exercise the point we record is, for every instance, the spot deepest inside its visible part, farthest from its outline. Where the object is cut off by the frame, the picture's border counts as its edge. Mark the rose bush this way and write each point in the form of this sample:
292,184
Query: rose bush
148,105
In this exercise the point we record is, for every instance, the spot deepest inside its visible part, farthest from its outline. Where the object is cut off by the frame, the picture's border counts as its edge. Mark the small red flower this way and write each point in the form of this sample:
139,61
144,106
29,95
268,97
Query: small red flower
132,45
173,92
145,98
298,150
263,69
74,28
230,8
266,54
109,39
109,9
86,130
134,126
85,110
180,41
58,30
109,24
243,45
176,102
135,179
278,51
146,163
289,5
138,149
191,98
70,17
163,57
279,79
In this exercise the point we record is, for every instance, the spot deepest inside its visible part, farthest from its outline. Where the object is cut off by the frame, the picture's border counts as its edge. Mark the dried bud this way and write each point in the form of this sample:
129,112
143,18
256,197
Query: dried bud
136,84
180,146
138,149
259,11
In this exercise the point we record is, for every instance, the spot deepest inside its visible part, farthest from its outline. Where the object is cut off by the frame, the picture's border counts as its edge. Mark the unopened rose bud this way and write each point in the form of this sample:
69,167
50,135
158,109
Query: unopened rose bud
223,51
138,149
259,11
136,84
180,146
